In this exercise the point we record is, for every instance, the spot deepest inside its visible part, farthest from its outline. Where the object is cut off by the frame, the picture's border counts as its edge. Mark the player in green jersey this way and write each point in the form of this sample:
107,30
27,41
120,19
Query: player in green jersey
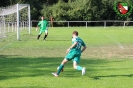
43,25
73,53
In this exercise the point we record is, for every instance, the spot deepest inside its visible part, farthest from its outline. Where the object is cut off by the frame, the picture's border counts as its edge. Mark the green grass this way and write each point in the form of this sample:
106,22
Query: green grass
29,63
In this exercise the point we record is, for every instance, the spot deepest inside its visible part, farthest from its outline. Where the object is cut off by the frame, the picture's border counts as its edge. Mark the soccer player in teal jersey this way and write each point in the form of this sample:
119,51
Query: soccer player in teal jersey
73,53
43,25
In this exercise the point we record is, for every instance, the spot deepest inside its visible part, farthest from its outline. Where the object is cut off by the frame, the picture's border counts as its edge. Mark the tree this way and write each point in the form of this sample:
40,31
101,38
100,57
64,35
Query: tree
72,9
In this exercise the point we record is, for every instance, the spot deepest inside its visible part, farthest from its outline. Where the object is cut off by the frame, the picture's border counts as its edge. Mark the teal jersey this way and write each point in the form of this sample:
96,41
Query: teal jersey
43,24
80,43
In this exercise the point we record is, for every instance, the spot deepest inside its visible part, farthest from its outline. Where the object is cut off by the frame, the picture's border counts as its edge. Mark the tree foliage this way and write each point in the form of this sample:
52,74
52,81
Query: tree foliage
77,10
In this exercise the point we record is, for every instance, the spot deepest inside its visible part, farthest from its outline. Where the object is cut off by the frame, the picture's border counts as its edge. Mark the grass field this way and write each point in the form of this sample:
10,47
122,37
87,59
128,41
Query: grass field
29,63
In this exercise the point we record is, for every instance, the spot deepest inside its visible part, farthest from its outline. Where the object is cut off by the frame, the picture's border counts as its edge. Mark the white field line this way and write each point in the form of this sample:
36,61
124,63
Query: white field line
115,41
2,48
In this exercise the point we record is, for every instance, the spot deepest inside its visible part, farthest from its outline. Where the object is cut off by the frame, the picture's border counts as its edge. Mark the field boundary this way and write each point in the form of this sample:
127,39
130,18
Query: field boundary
115,41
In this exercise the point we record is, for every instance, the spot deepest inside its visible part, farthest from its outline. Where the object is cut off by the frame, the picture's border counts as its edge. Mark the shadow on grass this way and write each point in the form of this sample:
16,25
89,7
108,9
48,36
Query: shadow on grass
56,40
17,66
98,77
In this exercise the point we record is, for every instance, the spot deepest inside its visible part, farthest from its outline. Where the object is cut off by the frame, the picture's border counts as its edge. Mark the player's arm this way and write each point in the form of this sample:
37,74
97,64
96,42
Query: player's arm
38,26
73,45
83,49
47,23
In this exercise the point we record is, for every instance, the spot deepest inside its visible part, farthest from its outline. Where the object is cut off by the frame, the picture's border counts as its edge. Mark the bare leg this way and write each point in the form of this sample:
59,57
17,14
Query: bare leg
76,66
64,61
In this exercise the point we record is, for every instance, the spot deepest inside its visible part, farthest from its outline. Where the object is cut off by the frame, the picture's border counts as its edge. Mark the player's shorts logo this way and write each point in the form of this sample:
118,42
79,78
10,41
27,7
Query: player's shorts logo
123,8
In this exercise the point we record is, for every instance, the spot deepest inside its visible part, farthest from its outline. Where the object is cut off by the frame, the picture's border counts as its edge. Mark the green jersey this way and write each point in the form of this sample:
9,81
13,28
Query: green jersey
43,24
80,43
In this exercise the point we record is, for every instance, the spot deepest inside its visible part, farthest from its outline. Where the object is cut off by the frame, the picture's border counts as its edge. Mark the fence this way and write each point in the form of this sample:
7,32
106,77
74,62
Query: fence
87,23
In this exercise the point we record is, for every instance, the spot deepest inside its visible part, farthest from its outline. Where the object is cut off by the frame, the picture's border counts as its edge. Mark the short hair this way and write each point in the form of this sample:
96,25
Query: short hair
42,16
75,32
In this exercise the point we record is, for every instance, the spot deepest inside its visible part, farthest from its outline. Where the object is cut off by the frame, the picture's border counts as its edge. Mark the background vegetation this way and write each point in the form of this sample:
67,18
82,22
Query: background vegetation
72,9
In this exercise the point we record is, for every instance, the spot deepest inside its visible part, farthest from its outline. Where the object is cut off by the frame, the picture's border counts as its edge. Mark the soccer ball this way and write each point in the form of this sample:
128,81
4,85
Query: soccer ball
61,70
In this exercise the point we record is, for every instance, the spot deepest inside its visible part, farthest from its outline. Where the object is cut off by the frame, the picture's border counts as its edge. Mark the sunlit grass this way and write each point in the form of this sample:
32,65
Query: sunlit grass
29,63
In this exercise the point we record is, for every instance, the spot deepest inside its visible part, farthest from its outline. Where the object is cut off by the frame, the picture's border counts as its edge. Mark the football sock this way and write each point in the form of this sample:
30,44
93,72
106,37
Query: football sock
79,68
45,36
38,37
60,68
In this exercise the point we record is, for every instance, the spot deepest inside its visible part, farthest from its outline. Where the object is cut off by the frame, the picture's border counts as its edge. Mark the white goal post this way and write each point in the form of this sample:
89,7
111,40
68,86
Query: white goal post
15,17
